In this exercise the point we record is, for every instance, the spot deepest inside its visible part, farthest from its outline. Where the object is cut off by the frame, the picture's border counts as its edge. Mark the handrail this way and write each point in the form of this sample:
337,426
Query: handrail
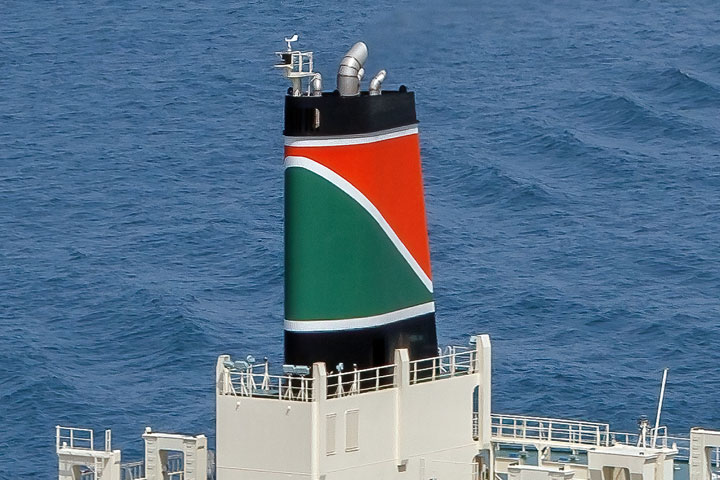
664,440
238,378
550,430
357,381
133,470
575,433
456,361
72,437
282,387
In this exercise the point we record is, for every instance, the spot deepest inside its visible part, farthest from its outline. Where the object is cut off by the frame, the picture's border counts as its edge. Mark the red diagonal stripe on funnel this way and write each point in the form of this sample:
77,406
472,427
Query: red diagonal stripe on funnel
389,174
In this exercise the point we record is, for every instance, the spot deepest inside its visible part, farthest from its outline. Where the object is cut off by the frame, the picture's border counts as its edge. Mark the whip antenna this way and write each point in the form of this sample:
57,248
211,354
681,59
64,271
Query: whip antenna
659,409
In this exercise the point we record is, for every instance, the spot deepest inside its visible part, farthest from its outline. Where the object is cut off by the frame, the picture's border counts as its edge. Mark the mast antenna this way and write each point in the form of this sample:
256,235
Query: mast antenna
296,66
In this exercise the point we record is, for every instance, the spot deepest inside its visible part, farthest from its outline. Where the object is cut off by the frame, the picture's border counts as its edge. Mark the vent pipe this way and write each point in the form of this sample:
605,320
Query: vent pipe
316,85
376,82
349,73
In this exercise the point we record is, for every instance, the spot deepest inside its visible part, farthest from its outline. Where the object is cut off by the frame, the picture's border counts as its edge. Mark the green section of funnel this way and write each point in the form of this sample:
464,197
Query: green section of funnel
339,263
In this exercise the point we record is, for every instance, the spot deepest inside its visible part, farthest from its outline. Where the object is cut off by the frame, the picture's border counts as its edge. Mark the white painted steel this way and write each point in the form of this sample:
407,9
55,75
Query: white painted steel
77,456
703,445
403,425
175,456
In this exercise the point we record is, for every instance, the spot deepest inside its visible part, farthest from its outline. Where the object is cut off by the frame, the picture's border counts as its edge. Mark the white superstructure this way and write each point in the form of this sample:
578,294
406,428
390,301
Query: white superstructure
426,419
412,419
403,419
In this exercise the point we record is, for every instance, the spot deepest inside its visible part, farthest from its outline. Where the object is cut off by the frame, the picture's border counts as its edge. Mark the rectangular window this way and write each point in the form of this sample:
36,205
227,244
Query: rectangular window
330,434
352,427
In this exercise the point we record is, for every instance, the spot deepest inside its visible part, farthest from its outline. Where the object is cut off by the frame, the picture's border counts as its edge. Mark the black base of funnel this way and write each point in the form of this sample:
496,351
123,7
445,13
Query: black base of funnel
366,347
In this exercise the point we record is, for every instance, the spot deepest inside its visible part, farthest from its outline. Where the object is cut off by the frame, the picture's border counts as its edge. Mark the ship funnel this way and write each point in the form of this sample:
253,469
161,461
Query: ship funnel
349,73
358,283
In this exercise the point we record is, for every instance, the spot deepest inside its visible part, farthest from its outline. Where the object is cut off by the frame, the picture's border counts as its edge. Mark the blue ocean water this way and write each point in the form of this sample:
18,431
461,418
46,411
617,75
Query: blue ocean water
572,170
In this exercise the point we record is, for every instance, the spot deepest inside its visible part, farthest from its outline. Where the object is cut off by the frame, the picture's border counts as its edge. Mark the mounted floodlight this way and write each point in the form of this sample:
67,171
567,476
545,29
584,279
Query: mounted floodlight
473,340
288,369
302,370
250,359
340,367
228,364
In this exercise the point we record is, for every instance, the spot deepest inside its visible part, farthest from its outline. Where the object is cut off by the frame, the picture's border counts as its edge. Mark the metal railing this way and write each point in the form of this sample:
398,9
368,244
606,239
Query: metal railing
360,381
572,433
174,468
70,437
663,440
520,429
133,470
283,387
453,362
243,378
714,459
87,474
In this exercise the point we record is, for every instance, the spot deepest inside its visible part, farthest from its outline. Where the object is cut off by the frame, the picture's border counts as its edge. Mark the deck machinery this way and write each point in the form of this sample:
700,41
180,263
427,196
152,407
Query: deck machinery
365,392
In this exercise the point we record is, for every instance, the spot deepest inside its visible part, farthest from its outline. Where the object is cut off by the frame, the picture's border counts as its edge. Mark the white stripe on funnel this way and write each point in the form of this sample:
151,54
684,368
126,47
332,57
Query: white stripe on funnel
359,322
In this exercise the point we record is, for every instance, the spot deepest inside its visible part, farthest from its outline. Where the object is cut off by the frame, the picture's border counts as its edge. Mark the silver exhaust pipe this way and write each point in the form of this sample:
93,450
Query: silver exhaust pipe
376,82
348,77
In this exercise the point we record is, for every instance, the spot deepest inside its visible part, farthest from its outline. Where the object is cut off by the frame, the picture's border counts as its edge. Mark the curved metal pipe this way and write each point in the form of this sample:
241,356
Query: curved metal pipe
348,77
376,82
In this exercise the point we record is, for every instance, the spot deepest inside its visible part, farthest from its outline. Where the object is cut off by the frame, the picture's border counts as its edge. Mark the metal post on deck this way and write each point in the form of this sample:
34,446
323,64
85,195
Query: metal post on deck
660,403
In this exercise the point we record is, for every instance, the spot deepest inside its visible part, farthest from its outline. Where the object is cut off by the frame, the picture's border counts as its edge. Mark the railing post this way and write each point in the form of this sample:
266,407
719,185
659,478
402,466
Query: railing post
319,382
402,368
483,371
452,362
